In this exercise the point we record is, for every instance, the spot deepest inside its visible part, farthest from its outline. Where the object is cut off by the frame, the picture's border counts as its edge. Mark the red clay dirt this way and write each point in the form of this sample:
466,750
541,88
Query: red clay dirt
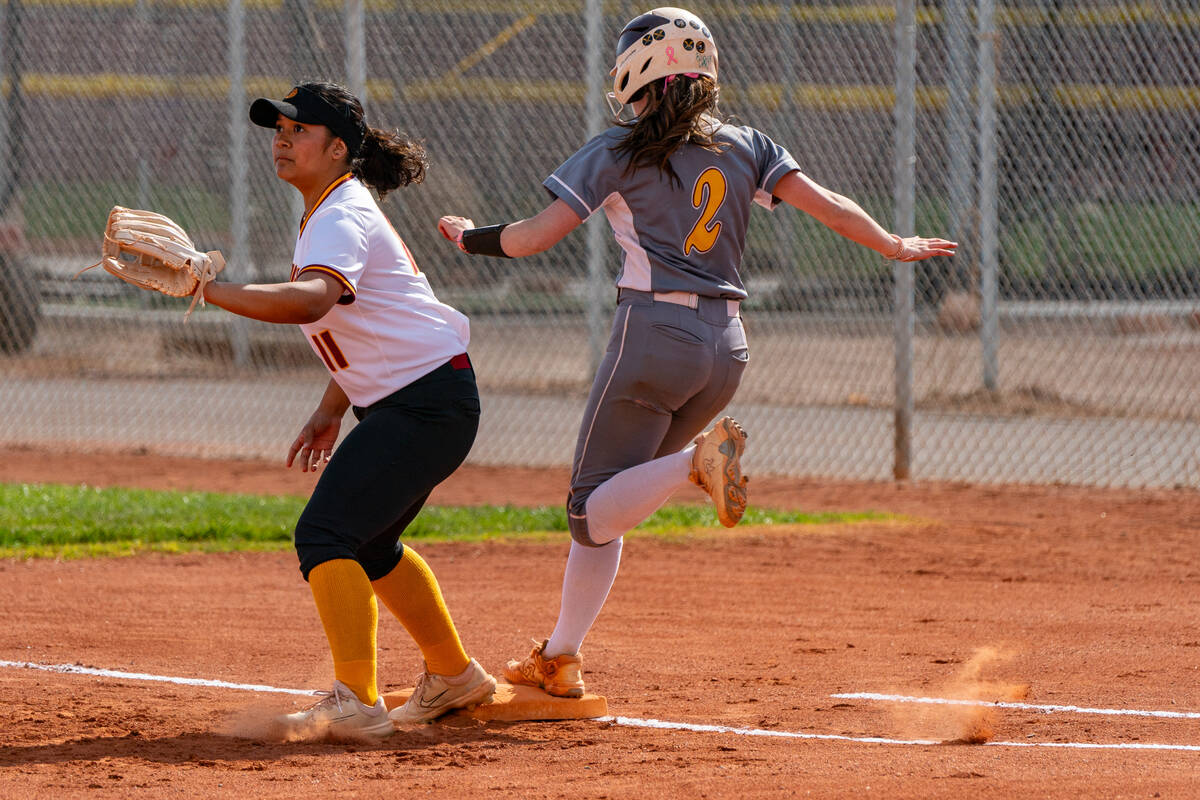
1050,595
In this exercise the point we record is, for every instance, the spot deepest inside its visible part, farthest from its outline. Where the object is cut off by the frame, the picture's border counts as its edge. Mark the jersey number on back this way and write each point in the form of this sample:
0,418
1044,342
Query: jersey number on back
708,195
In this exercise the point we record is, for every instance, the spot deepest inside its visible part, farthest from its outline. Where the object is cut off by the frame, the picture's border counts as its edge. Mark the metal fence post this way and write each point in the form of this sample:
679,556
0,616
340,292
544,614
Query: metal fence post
905,193
960,143
988,224
356,50
239,167
595,105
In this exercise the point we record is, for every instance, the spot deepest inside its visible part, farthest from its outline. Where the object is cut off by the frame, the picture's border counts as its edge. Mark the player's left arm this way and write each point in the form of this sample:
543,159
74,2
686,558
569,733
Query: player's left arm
314,445
844,216
515,239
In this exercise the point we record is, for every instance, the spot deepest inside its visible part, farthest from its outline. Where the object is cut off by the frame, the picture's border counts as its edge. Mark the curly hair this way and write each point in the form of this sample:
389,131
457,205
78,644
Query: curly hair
385,160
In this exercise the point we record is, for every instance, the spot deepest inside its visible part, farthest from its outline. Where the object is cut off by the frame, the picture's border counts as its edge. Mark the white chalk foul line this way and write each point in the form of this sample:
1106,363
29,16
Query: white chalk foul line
634,722
138,676
1042,708
631,722
685,726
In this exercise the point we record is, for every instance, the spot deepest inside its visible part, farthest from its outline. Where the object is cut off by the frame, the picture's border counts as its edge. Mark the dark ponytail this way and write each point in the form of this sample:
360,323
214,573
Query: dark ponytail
388,160
383,160
679,110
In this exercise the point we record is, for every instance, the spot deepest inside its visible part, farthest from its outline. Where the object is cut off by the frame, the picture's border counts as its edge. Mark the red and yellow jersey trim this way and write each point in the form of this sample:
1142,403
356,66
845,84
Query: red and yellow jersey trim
330,353
328,191
328,271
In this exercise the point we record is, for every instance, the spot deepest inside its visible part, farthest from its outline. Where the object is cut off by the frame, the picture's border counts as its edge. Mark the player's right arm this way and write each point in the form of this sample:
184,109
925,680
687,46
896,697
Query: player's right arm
515,239
299,301
844,216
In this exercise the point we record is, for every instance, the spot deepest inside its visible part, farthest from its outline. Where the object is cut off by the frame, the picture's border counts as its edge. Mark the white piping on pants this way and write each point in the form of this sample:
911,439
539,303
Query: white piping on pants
600,401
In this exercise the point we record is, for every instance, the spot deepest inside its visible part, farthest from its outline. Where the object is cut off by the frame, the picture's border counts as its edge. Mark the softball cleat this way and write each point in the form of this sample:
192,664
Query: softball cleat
717,468
561,676
435,695
339,714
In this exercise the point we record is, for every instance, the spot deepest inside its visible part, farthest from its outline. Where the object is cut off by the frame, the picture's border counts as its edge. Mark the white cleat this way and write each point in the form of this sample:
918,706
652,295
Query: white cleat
435,695
338,714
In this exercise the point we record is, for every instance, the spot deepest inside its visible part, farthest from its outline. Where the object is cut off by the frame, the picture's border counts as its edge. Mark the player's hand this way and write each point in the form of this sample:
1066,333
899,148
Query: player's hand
919,248
452,228
315,443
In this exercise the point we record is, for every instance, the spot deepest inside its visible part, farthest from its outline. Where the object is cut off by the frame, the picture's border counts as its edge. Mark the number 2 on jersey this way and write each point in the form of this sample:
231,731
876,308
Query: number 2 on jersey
708,195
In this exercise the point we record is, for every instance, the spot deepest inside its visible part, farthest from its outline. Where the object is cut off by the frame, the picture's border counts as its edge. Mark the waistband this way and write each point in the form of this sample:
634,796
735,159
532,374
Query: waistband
455,365
459,362
688,299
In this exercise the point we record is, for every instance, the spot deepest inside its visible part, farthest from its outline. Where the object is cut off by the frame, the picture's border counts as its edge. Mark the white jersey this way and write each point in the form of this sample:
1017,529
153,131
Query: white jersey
388,329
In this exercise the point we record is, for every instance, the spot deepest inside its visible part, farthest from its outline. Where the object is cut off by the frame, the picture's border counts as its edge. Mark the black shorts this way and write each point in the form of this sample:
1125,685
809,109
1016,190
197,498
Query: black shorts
384,470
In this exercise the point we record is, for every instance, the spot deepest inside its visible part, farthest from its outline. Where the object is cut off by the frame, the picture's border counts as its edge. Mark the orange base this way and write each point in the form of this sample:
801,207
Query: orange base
515,703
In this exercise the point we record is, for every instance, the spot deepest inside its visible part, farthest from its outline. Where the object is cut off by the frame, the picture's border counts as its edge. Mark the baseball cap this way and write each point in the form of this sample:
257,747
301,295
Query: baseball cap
309,108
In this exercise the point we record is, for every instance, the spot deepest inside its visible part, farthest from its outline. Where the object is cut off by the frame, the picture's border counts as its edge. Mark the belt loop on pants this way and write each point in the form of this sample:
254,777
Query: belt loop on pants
689,299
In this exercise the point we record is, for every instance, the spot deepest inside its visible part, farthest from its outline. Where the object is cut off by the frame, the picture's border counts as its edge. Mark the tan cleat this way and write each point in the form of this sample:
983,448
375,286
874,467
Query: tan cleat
561,676
717,468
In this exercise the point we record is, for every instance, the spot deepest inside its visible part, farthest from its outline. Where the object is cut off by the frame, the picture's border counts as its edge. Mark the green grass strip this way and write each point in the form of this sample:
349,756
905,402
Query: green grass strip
48,520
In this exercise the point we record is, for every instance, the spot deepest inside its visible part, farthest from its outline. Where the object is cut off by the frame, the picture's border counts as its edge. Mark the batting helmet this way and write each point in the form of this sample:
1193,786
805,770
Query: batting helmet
664,41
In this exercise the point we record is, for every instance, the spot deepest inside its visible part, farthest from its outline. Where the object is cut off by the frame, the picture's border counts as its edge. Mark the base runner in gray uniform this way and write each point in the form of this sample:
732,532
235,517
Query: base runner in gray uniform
677,184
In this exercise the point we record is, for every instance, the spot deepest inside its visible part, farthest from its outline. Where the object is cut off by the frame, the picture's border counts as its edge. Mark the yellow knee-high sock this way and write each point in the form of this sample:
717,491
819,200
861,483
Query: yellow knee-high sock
411,592
350,615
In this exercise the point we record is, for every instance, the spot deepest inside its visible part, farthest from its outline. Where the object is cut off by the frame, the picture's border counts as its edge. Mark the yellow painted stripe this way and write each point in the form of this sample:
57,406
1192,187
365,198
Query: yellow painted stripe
208,5
496,42
825,97
1114,14
1137,98
882,98
112,85
495,88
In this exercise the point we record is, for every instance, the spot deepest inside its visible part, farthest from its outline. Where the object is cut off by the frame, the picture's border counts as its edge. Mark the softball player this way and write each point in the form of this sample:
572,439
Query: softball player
677,185
397,357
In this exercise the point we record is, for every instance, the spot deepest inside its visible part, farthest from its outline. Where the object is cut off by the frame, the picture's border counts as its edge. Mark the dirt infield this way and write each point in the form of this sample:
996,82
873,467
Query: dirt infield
1059,601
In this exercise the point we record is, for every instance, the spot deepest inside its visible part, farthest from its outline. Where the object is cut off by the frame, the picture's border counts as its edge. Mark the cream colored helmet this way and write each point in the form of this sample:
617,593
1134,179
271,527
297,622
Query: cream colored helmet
661,42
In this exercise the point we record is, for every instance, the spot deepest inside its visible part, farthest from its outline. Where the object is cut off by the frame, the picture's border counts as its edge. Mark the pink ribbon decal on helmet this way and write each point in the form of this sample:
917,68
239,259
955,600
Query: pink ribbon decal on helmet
671,59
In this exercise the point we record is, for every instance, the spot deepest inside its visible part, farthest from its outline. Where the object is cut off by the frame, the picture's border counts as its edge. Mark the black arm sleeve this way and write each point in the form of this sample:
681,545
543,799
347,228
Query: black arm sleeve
484,241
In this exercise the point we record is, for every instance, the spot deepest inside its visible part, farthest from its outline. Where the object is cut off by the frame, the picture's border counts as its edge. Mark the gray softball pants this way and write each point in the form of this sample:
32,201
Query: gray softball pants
668,370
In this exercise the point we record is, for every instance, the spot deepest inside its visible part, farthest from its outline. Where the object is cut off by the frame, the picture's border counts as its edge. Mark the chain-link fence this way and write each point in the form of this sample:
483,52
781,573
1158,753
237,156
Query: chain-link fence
1056,141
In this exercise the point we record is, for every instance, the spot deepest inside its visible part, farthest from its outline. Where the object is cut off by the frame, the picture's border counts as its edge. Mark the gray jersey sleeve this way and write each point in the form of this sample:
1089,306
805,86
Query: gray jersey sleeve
588,177
773,163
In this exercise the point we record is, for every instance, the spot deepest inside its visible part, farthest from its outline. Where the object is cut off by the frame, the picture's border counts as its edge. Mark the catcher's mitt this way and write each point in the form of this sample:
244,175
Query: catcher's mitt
151,251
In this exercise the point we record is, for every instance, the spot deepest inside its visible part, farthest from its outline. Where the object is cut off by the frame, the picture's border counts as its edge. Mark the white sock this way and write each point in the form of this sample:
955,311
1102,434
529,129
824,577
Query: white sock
589,575
625,500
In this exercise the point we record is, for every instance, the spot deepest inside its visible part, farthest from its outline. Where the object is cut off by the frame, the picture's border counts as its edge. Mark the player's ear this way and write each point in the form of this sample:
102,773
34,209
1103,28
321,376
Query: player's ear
339,148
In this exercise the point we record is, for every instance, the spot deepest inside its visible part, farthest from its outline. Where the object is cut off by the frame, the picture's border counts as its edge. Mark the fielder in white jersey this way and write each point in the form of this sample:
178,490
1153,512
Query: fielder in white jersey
677,184
398,358
387,329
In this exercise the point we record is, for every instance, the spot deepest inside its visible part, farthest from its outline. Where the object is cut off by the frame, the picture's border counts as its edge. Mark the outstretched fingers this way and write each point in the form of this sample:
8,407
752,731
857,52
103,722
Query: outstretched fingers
919,248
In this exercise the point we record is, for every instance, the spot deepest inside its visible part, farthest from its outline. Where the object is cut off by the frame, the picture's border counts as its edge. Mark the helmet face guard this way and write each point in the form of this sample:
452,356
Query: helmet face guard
664,41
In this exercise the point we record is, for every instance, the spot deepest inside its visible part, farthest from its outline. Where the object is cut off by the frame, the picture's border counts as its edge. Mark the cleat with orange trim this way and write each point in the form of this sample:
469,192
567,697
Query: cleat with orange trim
717,468
561,676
